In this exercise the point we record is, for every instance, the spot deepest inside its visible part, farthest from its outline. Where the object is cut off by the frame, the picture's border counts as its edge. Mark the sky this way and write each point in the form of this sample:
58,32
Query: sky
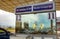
7,18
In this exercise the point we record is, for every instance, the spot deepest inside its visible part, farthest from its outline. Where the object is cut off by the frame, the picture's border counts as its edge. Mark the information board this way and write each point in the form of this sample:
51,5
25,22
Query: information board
24,9
42,7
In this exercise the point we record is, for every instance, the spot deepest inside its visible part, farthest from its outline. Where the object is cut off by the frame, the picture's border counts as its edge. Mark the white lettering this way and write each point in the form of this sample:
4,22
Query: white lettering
24,9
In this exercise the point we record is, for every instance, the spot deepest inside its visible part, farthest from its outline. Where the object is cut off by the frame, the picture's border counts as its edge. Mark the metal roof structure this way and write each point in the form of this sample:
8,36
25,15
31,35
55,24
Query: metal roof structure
10,5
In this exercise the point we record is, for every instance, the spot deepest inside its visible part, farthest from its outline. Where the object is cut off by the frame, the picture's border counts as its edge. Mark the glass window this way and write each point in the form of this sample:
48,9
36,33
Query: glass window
38,24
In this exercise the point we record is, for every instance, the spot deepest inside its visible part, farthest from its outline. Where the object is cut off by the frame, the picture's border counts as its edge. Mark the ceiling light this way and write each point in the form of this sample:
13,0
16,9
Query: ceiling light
51,0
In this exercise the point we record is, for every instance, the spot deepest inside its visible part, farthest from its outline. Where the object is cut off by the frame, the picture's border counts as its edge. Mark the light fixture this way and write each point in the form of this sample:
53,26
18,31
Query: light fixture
51,0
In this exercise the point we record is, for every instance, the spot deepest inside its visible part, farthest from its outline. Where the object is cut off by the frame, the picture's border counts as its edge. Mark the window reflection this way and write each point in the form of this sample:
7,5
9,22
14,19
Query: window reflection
37,24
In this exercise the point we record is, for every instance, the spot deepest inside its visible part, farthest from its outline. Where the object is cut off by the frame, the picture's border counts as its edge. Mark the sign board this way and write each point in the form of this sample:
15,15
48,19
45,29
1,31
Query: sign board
24,9
42,7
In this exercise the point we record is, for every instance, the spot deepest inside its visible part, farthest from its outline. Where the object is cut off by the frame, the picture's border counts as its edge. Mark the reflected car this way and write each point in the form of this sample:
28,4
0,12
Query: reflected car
4,34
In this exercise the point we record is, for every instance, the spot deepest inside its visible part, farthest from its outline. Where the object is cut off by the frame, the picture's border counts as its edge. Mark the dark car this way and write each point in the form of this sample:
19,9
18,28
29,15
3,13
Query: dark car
4,34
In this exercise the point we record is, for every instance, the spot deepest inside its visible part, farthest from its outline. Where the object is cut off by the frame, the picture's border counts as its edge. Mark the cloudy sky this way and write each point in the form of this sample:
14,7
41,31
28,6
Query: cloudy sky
7,19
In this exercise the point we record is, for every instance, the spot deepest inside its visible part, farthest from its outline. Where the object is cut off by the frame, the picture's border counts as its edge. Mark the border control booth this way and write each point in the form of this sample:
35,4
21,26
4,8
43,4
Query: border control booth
37,21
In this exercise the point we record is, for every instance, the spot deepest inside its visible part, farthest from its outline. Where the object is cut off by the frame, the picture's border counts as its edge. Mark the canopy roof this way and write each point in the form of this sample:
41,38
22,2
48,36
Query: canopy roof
10,5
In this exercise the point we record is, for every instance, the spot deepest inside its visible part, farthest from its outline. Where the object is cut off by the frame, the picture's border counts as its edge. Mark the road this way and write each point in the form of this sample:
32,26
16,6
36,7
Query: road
18,37
24,37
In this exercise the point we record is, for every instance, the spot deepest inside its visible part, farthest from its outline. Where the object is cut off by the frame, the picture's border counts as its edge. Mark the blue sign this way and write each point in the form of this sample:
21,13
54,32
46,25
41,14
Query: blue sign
24,9
47,6
42,7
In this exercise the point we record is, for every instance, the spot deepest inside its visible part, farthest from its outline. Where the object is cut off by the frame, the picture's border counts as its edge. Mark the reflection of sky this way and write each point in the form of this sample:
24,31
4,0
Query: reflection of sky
39,19
43,19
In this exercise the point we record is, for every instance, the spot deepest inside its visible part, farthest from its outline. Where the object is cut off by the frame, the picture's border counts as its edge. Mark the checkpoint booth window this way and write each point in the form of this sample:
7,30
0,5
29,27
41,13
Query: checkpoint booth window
38,23
37,18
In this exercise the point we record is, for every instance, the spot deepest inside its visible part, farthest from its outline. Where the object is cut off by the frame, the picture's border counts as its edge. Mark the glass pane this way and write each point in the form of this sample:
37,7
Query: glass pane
37,24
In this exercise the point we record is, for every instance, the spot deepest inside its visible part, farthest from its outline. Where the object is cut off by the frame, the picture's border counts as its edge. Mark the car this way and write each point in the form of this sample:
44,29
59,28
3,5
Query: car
4,34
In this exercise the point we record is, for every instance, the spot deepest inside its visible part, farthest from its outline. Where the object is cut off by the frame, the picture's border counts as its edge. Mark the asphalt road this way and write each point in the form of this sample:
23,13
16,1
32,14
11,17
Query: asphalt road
17,37
24,37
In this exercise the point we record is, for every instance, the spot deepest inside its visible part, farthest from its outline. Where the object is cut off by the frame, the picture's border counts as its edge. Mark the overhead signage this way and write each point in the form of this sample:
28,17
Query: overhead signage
35,8
24,9
43,7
